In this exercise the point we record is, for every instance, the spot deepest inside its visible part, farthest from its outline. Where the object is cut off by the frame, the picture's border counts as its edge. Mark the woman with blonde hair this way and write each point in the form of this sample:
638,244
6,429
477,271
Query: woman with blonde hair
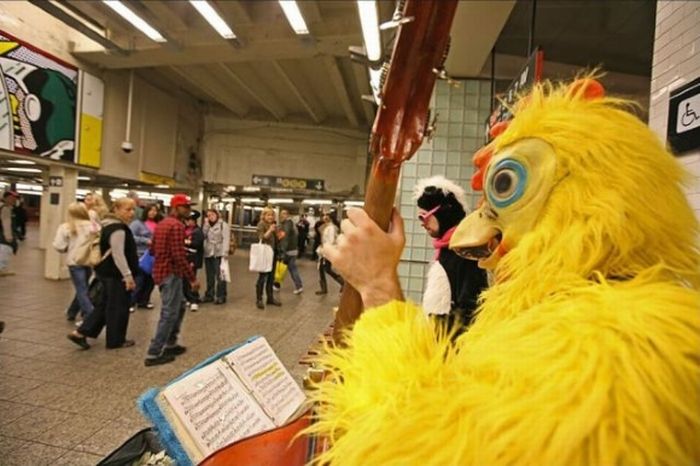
96,206
267,233
116,272
72,237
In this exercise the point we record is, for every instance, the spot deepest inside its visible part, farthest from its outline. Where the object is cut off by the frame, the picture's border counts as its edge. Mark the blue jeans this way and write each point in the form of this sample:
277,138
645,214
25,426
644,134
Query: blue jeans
80,275
294,271
172,312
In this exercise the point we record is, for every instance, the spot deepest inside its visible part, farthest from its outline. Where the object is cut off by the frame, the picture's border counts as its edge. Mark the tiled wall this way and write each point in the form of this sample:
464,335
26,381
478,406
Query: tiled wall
676,62
462,112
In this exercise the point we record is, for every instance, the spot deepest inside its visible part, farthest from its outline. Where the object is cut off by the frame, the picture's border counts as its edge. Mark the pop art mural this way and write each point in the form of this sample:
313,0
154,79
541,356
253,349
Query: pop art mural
37,101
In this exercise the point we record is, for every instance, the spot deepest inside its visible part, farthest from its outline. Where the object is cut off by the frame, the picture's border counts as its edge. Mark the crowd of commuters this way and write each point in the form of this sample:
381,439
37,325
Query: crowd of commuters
116,257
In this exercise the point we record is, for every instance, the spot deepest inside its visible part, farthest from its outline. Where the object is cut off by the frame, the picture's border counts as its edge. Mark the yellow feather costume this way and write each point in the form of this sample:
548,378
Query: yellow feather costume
587,349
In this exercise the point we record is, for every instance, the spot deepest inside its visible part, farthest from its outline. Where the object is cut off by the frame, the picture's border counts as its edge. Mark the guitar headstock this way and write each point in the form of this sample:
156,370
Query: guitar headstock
403,118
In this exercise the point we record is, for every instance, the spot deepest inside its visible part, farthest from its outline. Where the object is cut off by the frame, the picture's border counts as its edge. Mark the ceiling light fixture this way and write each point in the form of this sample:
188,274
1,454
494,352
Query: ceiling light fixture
317,201
22,162
282,201
84,178
213,18
354,203
250,200
294,16
163,186
22,170
370,28
135,20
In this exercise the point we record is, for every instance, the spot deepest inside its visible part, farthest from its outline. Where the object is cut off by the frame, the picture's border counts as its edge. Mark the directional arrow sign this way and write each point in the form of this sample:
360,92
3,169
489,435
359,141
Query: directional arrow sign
289,183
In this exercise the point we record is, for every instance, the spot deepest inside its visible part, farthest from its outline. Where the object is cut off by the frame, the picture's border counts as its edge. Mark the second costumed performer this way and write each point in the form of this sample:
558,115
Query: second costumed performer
453,284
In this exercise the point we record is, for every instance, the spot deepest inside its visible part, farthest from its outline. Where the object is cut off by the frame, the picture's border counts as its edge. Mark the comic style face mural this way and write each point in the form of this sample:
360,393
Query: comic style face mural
37,102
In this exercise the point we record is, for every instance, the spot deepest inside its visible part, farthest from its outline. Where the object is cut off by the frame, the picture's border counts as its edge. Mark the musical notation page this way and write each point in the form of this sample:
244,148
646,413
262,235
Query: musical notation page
264,374
215,408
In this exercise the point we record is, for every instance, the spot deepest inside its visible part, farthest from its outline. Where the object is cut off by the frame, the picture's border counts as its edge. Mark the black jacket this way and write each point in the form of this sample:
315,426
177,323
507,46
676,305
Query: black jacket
467,281
196,237
107,268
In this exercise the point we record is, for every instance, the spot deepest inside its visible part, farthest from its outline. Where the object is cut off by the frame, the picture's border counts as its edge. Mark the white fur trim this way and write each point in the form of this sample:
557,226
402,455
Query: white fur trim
443,183
437,298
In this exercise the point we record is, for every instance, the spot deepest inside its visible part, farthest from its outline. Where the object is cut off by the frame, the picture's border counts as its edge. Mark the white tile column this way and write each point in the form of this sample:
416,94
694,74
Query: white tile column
54,204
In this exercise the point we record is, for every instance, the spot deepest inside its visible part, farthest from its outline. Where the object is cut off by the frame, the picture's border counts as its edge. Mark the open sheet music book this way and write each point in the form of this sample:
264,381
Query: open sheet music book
236,394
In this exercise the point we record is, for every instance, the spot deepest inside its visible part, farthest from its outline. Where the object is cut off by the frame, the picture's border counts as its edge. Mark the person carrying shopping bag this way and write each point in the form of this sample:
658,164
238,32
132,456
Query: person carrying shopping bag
143,229
267,234
217,238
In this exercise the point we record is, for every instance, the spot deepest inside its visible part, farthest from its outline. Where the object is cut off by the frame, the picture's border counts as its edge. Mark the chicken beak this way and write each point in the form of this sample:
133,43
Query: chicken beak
474,234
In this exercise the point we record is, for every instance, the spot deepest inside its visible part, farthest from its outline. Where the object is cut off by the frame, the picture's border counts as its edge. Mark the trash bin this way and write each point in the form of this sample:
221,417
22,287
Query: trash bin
133,449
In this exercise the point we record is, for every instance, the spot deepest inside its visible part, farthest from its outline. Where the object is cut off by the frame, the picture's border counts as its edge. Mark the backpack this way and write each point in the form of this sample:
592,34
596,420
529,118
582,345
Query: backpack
88,253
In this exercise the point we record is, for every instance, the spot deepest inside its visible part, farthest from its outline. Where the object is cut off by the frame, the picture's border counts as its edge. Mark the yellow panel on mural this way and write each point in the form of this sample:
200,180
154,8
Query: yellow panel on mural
90,140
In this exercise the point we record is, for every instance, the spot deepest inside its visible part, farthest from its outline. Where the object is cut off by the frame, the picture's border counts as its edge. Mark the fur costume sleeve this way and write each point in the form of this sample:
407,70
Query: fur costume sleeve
603,375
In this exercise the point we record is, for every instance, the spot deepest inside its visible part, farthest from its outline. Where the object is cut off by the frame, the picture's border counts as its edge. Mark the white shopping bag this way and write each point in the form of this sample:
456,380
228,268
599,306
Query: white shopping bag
261,256
225,270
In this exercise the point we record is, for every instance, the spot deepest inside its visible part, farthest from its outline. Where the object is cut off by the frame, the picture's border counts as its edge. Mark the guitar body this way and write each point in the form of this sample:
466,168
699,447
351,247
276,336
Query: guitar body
279,447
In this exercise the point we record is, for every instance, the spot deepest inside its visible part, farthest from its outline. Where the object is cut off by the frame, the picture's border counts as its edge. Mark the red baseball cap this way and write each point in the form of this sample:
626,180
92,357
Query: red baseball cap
180,200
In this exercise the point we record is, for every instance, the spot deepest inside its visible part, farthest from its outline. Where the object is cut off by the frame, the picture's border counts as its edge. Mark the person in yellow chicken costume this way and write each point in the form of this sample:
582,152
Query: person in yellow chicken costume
585,351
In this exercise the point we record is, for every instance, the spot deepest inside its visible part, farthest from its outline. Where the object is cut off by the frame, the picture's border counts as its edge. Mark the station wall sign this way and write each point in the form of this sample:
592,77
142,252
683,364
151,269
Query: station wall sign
270,181
683,131
55,181
529,75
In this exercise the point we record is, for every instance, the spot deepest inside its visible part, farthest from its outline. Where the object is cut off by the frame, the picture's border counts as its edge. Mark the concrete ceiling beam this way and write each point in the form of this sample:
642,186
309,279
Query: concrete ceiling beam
362,80
341,89
260,95
316,115
209,85
254,50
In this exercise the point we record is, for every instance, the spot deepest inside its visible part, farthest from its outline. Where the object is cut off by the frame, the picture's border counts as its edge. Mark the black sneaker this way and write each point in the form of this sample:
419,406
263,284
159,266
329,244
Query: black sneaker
259,304
78,340
176,350
274,302
162,359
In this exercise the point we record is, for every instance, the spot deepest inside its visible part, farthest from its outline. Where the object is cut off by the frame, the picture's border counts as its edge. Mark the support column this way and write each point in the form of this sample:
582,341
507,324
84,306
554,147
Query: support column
57,196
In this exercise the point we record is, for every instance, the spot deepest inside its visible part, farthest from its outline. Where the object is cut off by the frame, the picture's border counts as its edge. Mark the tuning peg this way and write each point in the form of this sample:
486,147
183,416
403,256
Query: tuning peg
395,22
397,19
368,98
442,74
430,126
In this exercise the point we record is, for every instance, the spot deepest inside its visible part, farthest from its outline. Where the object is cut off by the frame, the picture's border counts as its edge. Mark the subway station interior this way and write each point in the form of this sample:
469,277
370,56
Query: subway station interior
344,232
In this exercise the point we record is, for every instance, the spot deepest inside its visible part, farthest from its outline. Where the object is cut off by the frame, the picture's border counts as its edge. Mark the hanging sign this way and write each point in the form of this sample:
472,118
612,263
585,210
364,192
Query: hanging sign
270,181
529,75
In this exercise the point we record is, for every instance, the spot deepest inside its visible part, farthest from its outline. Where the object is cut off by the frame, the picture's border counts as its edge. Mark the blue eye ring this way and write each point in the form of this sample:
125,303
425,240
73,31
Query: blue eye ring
517,173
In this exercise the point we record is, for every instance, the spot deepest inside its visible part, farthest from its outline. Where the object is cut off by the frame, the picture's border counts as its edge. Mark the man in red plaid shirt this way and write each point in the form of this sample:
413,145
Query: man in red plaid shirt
169,269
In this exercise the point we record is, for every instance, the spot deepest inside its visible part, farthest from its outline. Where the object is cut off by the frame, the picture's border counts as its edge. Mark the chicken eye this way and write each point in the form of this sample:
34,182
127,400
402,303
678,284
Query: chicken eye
504,182
507,183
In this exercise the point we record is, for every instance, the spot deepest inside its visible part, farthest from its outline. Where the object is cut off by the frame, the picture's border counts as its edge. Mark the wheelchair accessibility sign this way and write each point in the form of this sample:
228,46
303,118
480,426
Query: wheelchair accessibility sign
688,114
683,129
